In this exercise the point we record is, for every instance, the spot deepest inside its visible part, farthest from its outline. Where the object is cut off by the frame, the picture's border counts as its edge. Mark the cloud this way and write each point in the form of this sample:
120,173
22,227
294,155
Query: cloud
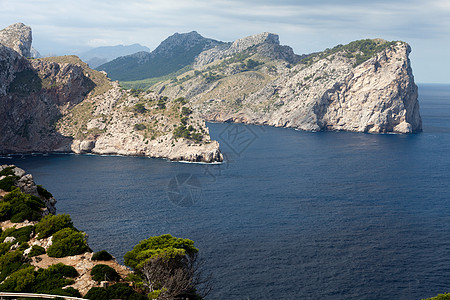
70,26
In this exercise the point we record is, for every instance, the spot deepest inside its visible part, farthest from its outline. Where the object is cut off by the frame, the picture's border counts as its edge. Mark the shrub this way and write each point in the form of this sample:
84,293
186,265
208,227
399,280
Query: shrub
102,255
97,293
7,183
103,272
140,108
186,111
139,126
51,224
9,263
4,247
22,206
8,171
5,211
43,192
20,281
116,291
36,250
22,234
67,242
69,291
54,277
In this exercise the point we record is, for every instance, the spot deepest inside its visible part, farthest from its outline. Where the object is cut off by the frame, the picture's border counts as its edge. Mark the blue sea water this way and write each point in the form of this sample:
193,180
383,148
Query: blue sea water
289,215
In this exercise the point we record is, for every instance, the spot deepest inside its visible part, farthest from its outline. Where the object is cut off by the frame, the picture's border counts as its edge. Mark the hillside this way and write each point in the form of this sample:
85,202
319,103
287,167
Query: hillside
173,54
59,104
365,86
101,55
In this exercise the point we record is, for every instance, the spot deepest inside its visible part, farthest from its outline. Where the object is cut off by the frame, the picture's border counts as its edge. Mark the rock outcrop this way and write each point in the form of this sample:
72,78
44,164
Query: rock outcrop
27,185
61,105
366,86
17,37
266,44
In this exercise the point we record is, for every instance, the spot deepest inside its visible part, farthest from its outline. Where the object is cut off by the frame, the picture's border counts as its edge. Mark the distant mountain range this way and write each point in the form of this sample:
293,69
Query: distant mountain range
174,53
101,55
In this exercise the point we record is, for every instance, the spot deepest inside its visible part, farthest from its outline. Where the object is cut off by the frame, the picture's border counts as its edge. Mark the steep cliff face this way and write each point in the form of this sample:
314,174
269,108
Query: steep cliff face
60,104
266,44
17,37
366,86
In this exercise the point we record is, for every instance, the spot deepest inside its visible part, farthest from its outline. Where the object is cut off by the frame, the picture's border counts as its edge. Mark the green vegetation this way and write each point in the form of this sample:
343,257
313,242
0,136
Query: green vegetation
36,250
102,255
139,108
43,192
116,291
51,224
49,280
445,296
7,183
68,242
187,133
104,273
8,171
19,207
361,50
140,126
21,235
167,267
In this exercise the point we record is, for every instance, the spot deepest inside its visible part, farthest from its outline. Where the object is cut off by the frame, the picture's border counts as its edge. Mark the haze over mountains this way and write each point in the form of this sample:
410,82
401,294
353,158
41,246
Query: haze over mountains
101,55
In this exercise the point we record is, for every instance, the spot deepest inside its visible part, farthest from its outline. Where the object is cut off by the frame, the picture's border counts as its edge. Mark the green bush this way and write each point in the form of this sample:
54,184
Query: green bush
4,247
43,192
8,171
69,291
155,246
22,207
36,250
22,234
51,224
116,291
54,277
49,281
67,242
7,183
102,255
186,111
97,293
139,126
139,108
445,296
103,272
10,262
20,281
5,211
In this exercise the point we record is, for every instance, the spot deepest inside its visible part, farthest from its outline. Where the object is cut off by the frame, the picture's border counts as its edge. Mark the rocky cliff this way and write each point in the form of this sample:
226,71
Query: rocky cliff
60,104
365,86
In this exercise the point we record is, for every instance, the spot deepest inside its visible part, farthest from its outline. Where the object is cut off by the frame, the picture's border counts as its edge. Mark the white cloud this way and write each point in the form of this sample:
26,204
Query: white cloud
305,25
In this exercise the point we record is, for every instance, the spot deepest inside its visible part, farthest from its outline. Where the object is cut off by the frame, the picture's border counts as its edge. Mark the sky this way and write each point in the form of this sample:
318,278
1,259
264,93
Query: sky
71,27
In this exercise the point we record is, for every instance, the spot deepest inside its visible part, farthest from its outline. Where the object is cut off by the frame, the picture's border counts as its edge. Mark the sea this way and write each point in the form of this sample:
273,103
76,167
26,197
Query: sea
288,215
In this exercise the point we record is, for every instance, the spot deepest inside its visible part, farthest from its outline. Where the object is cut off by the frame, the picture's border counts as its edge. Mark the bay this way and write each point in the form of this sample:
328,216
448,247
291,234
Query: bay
289,215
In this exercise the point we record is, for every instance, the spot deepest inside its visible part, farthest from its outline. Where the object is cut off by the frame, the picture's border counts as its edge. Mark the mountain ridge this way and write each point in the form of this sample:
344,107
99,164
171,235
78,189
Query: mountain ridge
174,53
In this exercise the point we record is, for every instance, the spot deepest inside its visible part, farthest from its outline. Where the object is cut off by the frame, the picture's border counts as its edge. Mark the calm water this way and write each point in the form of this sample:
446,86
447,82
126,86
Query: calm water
290,215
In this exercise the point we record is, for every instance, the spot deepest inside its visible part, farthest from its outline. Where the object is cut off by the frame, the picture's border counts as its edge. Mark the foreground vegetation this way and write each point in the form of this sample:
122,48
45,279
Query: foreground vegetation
164,267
